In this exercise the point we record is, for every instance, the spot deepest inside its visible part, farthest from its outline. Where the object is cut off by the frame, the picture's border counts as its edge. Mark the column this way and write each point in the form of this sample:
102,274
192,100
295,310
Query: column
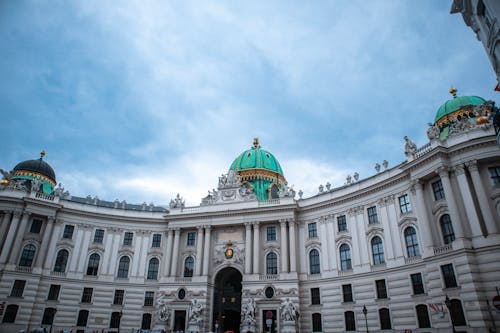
470,208
136,260
175,255
353,229
293,254
199,251
82,261
42,253
482,198
256,247
19,238
363,241
77,249
325,262
422,219
10,237
330,236
284,247
108,247
206,252
52,244
146,236
452,205
114,253
5,224
388,239
167,254
393,212
248,248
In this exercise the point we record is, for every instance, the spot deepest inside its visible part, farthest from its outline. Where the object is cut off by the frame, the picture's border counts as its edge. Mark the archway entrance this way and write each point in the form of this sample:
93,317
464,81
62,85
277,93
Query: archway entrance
227,300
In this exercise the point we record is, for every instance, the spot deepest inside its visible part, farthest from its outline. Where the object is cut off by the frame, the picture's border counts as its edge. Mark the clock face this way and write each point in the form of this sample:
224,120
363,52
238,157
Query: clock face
229,253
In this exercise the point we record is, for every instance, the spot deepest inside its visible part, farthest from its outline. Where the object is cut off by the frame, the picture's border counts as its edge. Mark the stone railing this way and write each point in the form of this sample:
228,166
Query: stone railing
182,279
412,260
443,249
43,196
267,277
57,273
269,202
423,150
24,269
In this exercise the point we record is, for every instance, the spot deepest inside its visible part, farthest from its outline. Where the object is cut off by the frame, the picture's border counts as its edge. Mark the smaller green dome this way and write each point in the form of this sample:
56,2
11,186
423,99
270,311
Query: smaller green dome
256,158
457,103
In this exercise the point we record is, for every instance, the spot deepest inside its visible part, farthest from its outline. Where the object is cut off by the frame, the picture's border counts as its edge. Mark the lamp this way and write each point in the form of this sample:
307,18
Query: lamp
447,301
365,311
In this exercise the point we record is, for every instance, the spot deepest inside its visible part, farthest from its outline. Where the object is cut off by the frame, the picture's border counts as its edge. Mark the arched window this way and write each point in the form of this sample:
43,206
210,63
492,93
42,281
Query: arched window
411,242
48,316
457,313
271,263
123,267
350,323
83,317
27,256
345,257
316,322
153,267
93,265
314,262
377,251
61,261
188,267
115,320
10,313
423,316
146,321
447,229
274,192
385,319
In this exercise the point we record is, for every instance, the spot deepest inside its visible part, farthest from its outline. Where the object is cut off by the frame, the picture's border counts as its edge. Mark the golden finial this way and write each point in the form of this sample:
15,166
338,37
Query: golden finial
255,142
453,91
42,154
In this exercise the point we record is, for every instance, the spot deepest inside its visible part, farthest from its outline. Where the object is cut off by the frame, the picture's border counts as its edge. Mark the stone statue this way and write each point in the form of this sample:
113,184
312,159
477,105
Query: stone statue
178,202
320,188
300,194
6,175
356,176
162,310
377,167
410,147
248,314
385,164
195,310
36,185
433,132
348,179
288,310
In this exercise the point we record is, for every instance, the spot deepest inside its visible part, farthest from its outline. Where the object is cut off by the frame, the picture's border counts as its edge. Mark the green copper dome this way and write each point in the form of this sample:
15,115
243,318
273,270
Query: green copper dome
256,158
457,103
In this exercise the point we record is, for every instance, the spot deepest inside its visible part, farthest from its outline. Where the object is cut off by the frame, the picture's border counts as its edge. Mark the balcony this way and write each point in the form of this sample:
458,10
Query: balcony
443,249
269,277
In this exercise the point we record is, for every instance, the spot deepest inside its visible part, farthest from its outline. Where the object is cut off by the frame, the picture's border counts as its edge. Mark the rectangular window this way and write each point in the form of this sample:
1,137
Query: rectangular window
68,231
191,238
87,295
315,297
347,292
449,276
36,226
156,240
271,233
372,215
18,288
127,240
54,291
437,189
495,175
313,231
98,236
381,289
118,298
341,223
417,283
149,298
404,204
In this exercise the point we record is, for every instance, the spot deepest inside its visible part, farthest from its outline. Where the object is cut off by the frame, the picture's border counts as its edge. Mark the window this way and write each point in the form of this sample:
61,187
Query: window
149,298
457,313
36,226
423,316
437,189
191,238
315,296
87,295
447,229
115,320
146,321
341,223
313,231
10,313
127,239
495,175
417,283
18,288
93,265
350,323
271,233
188,267
385,319
381,289
271,263
98,236
156,240
347,292
345,257
118,298
316,321
153,267
61,261
372,215
83,316
123,267
404,204
274,192
53,292
377,251
68,231
448,276
48,316
411,242
314,262
27,256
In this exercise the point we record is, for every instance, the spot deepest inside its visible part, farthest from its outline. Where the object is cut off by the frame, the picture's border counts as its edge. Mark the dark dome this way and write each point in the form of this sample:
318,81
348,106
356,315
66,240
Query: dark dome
38,166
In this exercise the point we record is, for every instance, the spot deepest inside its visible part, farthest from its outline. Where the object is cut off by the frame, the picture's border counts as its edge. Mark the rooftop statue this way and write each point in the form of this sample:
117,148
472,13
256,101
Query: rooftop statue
410,147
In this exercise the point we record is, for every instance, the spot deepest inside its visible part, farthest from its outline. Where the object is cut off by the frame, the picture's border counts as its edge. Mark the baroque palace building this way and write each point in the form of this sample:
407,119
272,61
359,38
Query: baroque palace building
415,246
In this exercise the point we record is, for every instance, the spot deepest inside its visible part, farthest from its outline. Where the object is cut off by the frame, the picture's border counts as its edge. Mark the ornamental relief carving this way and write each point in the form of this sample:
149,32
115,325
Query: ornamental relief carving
407,220
355,211
343,239
221,256
386,201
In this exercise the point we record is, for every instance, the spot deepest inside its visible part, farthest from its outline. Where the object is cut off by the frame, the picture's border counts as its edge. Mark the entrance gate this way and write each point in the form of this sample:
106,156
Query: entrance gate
227,300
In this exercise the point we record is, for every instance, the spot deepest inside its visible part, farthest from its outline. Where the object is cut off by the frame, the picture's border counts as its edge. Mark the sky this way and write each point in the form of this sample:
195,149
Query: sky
141,100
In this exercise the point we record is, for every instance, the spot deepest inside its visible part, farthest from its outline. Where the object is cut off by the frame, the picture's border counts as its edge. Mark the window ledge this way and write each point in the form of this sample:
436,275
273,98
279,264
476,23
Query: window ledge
15,297
348,303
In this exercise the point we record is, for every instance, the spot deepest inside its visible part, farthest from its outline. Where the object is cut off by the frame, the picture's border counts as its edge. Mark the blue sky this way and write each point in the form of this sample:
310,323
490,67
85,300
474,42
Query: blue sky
141,100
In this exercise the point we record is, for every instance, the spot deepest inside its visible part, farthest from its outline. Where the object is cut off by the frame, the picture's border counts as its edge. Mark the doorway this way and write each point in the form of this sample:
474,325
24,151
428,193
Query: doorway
227,301
180,320
269,317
